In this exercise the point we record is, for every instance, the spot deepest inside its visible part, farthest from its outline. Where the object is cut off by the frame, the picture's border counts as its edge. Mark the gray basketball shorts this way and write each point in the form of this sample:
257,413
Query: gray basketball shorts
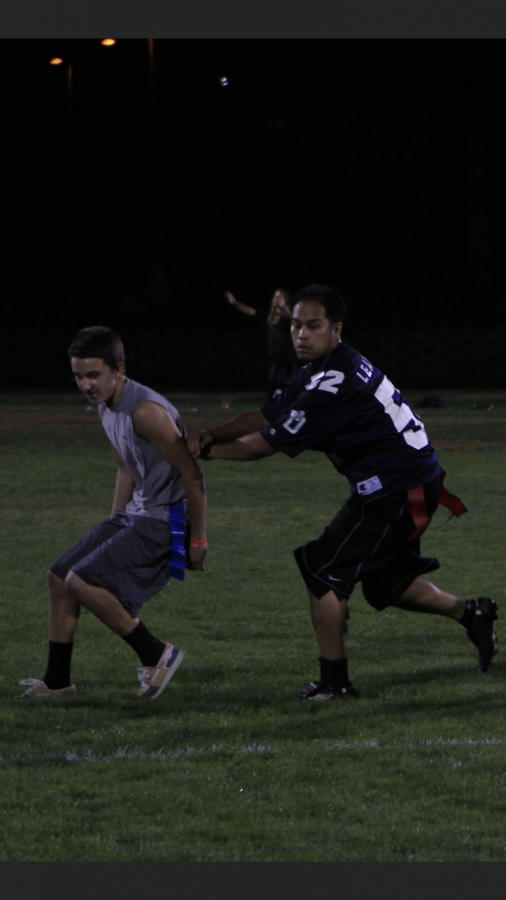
373,540
128,555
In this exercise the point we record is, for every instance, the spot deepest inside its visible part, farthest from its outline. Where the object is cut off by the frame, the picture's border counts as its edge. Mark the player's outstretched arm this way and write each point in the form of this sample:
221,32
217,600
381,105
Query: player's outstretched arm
247,310
246,449
153,423
125,484
238,427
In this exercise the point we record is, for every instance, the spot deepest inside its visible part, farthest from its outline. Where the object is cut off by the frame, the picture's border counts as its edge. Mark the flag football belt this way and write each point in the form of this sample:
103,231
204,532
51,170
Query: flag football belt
418,508
177,522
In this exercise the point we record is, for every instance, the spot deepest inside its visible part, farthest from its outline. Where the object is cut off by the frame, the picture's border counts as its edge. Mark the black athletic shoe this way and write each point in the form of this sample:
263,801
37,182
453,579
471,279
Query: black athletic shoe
482,632
318,690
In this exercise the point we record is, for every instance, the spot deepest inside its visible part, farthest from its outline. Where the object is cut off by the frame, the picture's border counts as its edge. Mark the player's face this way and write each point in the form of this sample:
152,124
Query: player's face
97,380
313,335
280,304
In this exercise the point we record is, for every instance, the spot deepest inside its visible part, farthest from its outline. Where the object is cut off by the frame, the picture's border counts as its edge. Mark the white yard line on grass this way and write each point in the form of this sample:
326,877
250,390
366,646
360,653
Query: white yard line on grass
134,753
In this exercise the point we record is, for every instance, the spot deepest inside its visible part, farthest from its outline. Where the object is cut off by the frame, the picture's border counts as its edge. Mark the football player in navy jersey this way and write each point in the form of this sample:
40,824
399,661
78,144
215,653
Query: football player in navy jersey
341,404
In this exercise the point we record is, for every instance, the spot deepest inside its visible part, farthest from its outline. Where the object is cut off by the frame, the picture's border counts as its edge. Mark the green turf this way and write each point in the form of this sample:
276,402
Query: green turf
229,764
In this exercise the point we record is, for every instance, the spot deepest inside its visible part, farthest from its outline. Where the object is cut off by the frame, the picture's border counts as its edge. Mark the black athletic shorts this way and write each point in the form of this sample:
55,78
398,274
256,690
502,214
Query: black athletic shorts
375,540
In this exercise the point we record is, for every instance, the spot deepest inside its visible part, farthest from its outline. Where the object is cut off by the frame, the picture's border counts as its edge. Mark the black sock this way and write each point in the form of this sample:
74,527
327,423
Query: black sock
58,665
469,614
148,648
334,672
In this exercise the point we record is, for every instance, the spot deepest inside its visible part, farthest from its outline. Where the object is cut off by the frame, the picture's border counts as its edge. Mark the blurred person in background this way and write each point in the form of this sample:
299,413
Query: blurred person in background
280,352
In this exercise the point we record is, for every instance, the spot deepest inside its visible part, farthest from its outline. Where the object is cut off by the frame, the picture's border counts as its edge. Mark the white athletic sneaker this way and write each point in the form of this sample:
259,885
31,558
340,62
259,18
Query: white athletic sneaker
38,688
155,679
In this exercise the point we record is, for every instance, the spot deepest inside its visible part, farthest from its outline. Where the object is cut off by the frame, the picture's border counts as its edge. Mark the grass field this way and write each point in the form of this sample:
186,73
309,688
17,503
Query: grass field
229,764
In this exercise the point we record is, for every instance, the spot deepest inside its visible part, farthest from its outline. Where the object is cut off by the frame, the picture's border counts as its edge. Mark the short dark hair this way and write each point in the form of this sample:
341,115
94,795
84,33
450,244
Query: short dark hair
331,300
98,342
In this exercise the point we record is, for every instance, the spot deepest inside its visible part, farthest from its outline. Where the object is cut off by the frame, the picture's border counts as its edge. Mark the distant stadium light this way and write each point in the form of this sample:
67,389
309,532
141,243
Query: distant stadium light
55,61
224,81
108,42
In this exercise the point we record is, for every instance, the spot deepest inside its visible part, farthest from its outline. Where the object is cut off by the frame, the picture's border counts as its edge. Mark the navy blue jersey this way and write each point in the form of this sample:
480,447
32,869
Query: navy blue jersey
349,410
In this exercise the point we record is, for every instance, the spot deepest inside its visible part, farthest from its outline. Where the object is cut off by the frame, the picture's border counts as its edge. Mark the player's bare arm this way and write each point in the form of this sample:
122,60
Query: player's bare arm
238,427
247,310
153,423
246,449
125,484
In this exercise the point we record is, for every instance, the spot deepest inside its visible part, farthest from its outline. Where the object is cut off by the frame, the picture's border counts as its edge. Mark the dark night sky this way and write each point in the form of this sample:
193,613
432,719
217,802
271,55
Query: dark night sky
376,166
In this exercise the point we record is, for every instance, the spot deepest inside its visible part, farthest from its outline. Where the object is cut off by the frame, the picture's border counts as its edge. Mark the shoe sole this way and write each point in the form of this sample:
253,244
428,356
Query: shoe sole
484,667
155,690
495,648
33,694
28,695
323,695
320,697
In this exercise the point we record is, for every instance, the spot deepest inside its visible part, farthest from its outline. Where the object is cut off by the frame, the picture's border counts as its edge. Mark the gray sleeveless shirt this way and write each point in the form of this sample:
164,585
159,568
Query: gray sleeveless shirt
157,484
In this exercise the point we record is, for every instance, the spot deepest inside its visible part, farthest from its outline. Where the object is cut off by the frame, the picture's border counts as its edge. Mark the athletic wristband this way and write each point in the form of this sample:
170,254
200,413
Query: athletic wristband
195,543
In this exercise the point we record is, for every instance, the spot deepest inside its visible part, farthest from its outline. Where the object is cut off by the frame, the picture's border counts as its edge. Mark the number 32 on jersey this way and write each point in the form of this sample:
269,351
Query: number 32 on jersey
324,381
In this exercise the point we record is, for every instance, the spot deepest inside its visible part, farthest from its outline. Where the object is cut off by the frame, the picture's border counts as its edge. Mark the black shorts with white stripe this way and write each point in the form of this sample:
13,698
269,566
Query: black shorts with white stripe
375,540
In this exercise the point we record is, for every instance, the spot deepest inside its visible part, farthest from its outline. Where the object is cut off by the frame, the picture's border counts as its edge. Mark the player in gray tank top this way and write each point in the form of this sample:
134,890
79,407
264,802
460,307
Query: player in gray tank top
121,563
157,484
